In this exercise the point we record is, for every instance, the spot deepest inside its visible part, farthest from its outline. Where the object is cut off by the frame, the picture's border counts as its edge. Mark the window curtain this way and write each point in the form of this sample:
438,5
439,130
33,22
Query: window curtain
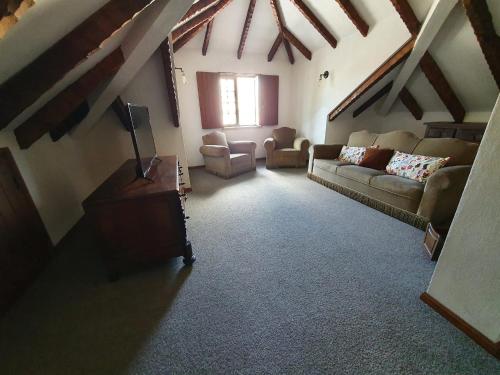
268,99
210,100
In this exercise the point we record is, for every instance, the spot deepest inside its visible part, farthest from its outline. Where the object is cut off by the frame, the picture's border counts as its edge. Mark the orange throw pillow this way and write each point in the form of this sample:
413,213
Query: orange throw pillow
376,158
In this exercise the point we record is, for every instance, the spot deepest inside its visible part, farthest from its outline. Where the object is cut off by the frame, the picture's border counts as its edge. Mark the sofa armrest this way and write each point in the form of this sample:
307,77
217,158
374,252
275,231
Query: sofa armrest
301,144
269,145
326,151
442,194
242,147
214,150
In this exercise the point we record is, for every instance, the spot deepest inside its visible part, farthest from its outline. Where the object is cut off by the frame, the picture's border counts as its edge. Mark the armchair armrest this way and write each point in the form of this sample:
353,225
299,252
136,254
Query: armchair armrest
442,194
214,150
269,145
301,144
326,151
242,147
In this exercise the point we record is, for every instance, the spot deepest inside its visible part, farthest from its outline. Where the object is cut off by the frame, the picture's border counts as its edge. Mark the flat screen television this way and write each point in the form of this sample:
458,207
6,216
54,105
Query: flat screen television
142,139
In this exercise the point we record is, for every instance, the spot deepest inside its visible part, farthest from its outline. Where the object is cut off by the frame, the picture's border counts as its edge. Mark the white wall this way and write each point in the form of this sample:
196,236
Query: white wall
191,60
61,175
466,279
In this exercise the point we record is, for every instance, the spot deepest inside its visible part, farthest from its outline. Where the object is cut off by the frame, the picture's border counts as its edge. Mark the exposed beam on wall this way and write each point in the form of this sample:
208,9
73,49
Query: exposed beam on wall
317,24
10,12
482,23
246,27
197,7
354,16
286,34
435,19
201,18
274,48
141,42
442,87
411,104
289,51
63,105
184,39
380,93
24,88
170,81
206,40
384,69
429,66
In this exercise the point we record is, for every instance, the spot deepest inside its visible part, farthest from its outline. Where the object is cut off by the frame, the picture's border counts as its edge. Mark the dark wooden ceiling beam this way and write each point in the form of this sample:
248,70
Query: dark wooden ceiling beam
399,56
429,66
289,51
411,104
184,39
482,23
287,34
274,48
354,16
379,94
170,81
57,110
437,79
196,8
199,19
313,20
246,27
407,15
24,88
206,40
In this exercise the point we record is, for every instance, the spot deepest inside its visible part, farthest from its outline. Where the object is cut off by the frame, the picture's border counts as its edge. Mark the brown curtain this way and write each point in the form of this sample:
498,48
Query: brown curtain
210,100
268,99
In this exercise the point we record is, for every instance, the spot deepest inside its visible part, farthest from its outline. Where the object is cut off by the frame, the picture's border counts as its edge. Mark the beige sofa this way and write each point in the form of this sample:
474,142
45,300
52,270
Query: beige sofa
284,150
408,200
227,159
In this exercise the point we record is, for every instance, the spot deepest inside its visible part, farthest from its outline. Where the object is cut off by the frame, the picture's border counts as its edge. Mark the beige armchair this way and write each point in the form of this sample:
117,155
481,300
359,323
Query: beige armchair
227,159
284,150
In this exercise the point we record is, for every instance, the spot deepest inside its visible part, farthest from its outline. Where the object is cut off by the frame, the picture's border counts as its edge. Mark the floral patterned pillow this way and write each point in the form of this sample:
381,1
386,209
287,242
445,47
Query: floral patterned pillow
352,155
415,167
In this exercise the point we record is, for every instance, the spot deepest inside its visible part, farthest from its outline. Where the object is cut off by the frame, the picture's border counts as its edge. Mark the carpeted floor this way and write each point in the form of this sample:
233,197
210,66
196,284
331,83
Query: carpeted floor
291,278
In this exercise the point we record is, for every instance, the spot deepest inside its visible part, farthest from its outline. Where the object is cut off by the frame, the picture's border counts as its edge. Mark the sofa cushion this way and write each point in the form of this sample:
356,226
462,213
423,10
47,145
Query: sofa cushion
460,152
398,140
362,138
415,167
400,186
240,159
376,158
328,164
352,155
360,174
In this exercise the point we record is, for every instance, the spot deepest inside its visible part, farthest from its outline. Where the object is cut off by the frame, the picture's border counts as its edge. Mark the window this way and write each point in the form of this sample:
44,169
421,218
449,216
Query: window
239,97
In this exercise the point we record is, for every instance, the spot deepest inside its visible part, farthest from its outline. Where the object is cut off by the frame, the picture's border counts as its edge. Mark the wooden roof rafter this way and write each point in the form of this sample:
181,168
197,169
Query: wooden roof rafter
197,7
480,18
429,66
246,27
354,16
206,40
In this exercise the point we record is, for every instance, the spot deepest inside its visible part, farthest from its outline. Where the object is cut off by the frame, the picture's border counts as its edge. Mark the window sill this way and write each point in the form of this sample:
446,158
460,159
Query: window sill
243,127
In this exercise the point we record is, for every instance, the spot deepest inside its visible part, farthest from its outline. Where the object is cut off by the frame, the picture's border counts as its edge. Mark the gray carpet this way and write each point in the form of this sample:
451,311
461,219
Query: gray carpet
291,278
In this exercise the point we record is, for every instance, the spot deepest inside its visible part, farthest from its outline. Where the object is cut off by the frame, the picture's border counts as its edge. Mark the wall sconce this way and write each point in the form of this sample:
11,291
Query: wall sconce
183,75
324,75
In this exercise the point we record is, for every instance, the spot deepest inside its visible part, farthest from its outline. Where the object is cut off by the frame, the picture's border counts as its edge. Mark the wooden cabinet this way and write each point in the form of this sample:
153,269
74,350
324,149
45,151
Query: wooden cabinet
25,246
139,222
467,131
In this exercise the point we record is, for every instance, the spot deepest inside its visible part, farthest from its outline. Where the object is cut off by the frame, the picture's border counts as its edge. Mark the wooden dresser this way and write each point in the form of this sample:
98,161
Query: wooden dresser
467,131
140,222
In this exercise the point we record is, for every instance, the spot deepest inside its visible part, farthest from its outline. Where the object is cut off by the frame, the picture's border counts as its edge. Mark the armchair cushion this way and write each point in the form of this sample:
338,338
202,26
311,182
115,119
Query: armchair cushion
214,150
284,137
215,138
244,147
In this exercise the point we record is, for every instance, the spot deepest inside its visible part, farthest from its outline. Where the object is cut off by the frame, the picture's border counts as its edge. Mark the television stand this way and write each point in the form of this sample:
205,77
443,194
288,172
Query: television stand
140,222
